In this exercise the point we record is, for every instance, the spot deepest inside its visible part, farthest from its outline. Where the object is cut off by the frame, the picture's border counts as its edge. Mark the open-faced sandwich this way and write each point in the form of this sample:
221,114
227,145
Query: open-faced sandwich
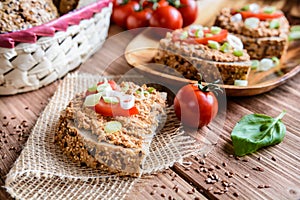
263,30
111,126
210,53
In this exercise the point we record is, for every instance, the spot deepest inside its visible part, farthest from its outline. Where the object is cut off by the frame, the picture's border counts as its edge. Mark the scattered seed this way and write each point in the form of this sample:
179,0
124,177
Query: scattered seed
162,195
218,167
190,192
187,163
231,156
211,168
4,156
210,188
259,158
170,198
5,124
247,175
245,160
273,158
260,186
237,158
187,169
197,170
26,108
176,189
202,162
12,118
163,187
196,198
155,185
205,155
152,192
258,169
205,170
193,190
4,117
267,186
224,164
196,158
235,194
208,180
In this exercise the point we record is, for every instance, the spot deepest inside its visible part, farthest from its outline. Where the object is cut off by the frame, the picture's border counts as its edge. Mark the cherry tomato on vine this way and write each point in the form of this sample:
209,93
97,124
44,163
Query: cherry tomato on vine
153,5
195,106
121,12
189,11
166,17
138,19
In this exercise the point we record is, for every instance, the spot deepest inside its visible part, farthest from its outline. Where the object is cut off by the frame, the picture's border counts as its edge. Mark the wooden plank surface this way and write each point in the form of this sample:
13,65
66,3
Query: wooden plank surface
280,163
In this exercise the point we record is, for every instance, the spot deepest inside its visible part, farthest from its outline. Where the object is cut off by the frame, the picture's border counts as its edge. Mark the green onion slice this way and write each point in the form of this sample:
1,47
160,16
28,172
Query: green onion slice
213,44
92,88
251,22
254,64
92,99
113,100
274,24
238,53
275,60
112,127
225,47
240,82
269,9
215,30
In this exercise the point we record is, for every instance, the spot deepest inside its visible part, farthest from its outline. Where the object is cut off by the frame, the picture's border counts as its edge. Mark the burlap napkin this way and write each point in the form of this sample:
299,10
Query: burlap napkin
43,172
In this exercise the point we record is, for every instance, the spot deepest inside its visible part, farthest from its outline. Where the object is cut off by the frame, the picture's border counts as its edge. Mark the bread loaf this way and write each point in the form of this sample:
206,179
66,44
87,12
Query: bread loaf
23,14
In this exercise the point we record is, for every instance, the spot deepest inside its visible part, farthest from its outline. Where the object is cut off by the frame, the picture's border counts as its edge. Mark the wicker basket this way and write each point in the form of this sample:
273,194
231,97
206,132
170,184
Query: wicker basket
35,57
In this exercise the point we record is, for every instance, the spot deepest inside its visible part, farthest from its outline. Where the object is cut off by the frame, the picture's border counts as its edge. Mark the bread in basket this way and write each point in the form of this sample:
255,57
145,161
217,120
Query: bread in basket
35,57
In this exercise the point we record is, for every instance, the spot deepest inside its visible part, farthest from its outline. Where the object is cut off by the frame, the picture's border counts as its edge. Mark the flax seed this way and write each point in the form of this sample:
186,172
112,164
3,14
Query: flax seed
224,164
12,118
26,108
4,117
267,186
235,194
210,188
260,186
163,195
197,170
259,158
152,192
155,185
273,158
163,187
202,162
170,198
205,155
190,192
245,160
231,156
246,175
196,198
218,167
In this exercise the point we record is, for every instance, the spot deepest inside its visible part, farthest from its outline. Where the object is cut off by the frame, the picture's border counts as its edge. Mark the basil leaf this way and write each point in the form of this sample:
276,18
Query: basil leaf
255,131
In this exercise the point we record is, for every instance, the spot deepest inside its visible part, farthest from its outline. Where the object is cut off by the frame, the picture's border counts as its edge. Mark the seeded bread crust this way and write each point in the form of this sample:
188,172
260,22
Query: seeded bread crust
23,14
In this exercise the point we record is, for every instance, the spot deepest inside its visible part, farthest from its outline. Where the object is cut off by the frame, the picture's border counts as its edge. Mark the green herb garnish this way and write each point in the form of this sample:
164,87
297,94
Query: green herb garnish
269,9
215,30
238,53
213,44
255,131
225,47
274,24
254,64
208,35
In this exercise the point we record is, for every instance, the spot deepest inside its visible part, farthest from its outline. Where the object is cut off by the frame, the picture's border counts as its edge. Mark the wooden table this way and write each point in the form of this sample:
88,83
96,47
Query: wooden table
280,177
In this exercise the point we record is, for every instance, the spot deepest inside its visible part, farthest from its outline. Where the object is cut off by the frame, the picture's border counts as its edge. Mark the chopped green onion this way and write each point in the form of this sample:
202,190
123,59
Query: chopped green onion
112,100
269,9
151,89
104,87
295,28
251,22
208,35
92,99
254,64
225,47
274,24
276,60
240,82
92,88
184,35
215,30
294,35
112,127
199,33
238,53
246,8
265,64
213,44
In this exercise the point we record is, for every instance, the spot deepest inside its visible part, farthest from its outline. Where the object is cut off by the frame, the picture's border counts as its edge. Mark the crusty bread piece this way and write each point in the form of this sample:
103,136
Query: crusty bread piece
22,14
190,60
82,137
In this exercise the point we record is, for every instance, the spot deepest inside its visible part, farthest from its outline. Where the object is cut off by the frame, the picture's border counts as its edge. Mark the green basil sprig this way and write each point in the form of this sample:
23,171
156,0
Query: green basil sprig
255,131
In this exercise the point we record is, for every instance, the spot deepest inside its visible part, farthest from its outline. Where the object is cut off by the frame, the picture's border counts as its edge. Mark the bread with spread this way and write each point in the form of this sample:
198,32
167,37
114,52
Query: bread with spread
263,30
210,53
110,127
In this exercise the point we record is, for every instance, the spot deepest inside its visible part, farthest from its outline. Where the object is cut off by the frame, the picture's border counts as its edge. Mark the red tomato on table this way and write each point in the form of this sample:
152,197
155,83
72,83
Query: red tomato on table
195,107
189,11
166,17
138,19
121,12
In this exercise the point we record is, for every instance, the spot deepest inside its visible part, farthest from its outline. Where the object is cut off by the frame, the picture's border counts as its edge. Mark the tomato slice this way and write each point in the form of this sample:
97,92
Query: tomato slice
112,84
261,15
110,110
204,40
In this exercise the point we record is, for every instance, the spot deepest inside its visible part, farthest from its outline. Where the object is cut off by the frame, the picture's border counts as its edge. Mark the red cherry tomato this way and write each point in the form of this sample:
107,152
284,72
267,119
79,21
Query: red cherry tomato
121,12
194,107
109,109
166,17
261,15
138,19
189,11
151,5
204,40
